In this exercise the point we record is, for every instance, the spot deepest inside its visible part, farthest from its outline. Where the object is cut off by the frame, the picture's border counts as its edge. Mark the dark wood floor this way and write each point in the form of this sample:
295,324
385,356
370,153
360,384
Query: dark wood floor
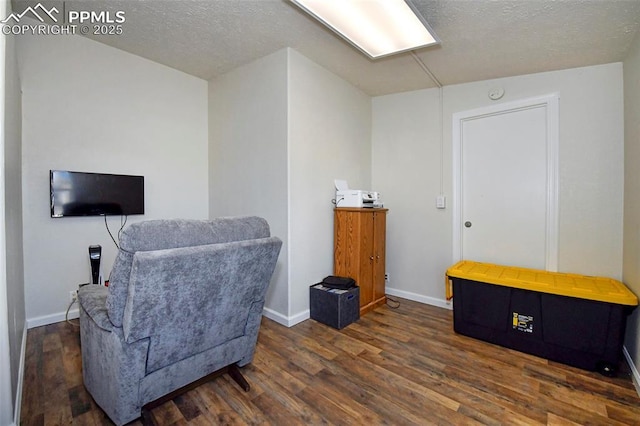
400,366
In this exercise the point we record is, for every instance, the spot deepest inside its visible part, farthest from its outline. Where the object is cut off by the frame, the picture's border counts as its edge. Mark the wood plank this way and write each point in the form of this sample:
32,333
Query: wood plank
293,405
345,402
473,403
559,421
624,414
188,408
375,400
167,413
215,408
238,401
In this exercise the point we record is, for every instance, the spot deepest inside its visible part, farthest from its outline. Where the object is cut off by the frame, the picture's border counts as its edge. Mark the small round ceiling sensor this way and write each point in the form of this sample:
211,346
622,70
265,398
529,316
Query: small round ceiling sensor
496,93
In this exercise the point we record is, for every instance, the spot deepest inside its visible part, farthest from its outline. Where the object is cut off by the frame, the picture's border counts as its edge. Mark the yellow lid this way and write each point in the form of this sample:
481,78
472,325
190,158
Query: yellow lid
563,284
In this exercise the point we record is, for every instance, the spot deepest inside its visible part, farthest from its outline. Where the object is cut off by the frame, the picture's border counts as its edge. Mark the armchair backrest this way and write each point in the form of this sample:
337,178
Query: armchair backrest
167,234
191,285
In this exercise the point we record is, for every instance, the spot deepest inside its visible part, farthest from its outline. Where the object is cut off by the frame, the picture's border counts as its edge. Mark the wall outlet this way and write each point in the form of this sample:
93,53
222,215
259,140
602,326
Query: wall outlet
386,277
73,295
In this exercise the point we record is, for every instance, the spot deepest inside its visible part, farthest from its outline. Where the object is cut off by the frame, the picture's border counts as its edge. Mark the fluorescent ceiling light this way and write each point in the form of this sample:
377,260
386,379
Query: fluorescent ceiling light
377,27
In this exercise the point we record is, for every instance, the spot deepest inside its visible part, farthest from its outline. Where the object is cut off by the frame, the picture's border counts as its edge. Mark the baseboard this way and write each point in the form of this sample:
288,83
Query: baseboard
269,313
23,360
441,303
75,313
635,376
51,319
284,320
305,315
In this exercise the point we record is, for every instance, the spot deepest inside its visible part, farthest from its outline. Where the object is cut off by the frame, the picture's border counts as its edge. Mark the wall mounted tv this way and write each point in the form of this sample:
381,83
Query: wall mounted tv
95,194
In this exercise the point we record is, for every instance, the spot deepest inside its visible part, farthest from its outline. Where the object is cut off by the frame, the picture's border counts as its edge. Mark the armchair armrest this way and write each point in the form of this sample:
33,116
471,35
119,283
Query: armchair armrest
92,298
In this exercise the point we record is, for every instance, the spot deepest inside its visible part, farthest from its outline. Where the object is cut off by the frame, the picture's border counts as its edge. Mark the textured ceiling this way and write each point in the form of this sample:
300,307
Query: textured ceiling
481,39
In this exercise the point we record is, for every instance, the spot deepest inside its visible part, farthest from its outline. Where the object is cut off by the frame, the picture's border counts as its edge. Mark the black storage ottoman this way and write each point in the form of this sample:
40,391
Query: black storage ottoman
334,307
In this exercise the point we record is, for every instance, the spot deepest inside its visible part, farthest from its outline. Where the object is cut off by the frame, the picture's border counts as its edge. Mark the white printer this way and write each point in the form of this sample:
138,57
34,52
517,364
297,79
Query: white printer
346,197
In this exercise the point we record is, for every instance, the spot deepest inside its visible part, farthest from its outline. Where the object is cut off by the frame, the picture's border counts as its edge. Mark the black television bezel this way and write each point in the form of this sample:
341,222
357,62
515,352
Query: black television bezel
96,211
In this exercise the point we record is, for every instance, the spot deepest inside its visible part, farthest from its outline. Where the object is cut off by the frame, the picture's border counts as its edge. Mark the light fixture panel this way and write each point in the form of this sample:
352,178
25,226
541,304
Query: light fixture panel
378,28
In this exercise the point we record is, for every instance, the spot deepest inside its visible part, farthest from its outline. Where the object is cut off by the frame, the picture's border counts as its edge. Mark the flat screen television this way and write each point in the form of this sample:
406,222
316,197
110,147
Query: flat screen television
95,194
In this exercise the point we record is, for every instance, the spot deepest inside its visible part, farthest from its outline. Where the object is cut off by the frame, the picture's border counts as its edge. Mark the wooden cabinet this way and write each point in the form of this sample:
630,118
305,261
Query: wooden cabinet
359,252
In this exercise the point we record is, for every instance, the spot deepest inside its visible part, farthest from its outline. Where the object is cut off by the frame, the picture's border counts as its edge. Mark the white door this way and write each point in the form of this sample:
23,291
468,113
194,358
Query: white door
506,210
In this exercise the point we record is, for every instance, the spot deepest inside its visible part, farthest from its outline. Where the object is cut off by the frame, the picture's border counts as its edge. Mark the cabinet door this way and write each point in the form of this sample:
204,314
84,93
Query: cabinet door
379,233
359,252
353,250
346,252
367,258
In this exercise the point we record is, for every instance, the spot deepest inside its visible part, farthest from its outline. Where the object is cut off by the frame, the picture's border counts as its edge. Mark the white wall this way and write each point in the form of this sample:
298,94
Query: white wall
90,107
631,265
329,138
406,170
281,129
248,154
13,218
406,155
6,397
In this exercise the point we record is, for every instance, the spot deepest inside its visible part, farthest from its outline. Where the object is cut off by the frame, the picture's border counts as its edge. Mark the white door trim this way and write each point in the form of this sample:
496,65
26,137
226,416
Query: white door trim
551,104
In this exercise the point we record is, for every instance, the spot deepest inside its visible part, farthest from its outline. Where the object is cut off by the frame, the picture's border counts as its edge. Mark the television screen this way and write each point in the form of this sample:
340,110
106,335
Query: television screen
95,194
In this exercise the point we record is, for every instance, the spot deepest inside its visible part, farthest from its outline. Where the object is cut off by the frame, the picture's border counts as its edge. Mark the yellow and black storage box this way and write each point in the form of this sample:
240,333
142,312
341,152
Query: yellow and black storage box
573,319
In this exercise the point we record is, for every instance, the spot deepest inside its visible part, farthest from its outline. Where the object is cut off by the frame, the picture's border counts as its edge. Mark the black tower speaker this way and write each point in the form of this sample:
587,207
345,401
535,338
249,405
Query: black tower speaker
95,252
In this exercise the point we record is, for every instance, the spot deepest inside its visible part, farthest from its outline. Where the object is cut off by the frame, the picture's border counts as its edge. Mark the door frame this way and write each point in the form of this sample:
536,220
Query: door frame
551,104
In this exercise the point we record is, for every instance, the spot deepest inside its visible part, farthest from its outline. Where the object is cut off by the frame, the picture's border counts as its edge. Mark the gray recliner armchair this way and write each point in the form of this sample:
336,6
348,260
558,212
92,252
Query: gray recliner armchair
185,300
